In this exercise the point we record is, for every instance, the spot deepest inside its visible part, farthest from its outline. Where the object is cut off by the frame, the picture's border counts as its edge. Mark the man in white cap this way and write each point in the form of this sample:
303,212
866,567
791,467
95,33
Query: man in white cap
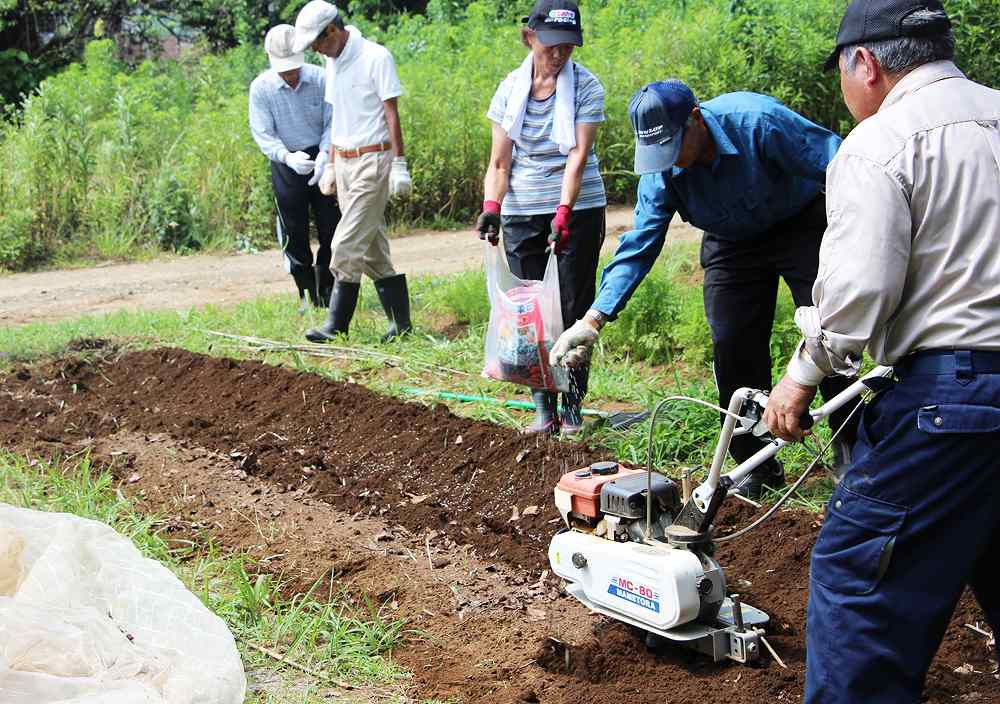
366,167
290,121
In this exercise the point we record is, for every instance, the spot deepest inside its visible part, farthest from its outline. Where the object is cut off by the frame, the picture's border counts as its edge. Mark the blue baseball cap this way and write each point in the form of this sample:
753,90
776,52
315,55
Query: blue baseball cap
658,112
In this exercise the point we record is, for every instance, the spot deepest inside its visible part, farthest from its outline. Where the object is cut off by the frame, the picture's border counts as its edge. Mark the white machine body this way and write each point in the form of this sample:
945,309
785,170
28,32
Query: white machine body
639,551
652,584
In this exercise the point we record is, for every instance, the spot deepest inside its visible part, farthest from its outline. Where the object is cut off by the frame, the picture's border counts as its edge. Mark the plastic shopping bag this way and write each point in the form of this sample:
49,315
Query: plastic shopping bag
525,321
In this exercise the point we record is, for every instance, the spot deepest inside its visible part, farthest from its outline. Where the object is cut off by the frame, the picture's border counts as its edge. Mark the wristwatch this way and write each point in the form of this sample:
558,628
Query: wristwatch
597,316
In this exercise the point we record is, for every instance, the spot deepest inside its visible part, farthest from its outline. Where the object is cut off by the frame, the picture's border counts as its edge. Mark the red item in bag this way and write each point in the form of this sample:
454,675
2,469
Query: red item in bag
525,321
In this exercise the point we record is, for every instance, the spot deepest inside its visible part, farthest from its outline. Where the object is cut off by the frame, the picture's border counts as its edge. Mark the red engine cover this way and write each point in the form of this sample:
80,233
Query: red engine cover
584,485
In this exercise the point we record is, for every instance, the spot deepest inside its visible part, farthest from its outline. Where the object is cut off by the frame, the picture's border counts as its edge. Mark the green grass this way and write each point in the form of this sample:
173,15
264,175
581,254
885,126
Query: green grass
108,160
319,629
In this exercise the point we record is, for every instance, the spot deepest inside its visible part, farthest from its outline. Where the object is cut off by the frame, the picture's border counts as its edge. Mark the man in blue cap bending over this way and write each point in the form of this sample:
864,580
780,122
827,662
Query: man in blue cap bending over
750,173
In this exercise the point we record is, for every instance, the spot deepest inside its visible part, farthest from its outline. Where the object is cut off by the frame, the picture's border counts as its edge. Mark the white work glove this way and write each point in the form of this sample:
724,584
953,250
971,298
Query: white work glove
321,160
400,184
328,179
299,162
574,346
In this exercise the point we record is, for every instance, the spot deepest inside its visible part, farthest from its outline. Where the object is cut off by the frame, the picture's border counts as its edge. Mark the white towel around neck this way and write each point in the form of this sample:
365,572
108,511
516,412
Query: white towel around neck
564,119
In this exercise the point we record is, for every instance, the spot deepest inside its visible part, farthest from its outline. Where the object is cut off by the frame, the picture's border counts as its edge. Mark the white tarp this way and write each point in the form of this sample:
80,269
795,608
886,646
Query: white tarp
86,619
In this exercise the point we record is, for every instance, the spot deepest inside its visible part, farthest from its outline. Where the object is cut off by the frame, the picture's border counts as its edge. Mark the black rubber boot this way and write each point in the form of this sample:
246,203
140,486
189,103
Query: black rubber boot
546,419
395,299
324,286
305,281
770,475
343,301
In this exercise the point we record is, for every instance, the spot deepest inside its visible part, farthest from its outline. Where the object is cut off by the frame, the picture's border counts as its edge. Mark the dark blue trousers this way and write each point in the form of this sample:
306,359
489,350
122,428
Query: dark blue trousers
295,198
915,520
741,293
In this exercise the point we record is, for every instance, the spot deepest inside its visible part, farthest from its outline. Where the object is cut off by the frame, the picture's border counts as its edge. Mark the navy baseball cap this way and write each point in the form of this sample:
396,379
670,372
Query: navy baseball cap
658,112
556,22
875,20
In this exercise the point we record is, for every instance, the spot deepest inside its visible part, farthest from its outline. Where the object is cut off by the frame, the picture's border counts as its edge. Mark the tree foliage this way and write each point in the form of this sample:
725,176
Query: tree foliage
111,157
41,36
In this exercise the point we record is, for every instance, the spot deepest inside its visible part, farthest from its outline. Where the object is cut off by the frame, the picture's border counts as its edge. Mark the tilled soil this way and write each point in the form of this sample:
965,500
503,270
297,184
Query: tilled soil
426,512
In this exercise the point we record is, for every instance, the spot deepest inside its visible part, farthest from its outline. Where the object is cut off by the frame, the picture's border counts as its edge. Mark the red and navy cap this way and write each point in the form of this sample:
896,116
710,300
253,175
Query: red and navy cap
556,22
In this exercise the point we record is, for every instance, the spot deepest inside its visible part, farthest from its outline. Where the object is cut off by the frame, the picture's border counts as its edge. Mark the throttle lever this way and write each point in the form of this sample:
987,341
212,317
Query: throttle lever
806,421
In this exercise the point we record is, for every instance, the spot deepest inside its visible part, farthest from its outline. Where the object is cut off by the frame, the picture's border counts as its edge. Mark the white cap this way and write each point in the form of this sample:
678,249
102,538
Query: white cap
312,19
278,45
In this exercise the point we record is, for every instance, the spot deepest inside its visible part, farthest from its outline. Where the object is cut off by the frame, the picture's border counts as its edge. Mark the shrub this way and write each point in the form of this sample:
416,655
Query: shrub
98,142
646,328
18,247
463,296
977,36
110,162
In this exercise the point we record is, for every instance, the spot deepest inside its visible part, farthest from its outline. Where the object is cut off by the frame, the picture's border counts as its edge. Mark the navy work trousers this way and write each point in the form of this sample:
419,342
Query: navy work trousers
741,293
913,522
295,197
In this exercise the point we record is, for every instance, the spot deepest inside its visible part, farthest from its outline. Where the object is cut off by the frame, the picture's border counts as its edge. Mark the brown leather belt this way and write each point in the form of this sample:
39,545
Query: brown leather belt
369,149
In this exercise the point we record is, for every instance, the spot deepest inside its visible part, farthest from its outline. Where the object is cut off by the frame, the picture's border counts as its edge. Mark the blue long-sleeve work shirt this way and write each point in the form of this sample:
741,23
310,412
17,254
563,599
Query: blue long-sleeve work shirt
770,163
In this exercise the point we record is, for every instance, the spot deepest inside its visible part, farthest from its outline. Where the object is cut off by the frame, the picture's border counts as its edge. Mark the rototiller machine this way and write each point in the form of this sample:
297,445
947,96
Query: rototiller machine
639,549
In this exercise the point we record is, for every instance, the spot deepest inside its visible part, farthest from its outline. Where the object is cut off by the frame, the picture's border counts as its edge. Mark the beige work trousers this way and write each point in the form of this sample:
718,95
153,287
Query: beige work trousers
360,244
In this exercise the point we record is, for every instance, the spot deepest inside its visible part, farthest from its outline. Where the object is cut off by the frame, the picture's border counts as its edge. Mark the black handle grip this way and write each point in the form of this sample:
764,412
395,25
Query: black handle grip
806,421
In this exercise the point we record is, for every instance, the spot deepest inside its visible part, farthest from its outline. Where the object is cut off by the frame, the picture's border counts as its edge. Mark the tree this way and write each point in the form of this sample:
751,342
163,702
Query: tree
40,36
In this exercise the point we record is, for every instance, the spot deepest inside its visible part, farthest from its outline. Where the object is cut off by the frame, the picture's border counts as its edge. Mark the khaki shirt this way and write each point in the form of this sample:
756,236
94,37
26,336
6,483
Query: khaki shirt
911,256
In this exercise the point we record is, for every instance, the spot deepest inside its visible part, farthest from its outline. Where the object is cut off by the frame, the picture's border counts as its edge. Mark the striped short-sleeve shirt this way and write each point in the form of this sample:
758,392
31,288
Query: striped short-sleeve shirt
537,170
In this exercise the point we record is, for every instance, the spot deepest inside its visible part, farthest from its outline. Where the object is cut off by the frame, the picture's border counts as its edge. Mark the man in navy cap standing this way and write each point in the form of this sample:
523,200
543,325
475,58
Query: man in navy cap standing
750,173
910,271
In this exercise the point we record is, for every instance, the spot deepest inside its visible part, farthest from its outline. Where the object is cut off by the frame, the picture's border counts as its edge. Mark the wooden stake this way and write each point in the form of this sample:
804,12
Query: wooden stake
746,500
980,631
298,666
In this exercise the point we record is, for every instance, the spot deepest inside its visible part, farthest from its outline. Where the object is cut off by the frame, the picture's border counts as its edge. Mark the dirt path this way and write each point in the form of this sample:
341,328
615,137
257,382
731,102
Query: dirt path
183,282
412,506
